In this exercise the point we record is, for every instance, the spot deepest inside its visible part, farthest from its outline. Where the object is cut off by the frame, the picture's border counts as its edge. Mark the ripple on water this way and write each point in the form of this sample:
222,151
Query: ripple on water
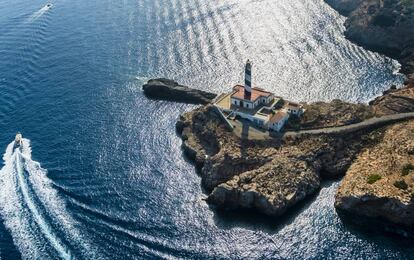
68,79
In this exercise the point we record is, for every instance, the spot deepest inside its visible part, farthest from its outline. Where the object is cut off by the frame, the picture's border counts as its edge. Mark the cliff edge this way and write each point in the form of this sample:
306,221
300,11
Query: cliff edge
377,190
240,171
384,26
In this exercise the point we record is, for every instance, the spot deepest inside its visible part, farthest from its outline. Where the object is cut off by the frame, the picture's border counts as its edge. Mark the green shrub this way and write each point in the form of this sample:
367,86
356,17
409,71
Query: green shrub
401,185
406,169
373,178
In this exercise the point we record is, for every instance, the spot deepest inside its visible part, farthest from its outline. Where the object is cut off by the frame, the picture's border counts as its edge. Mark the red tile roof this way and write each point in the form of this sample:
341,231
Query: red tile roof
256,93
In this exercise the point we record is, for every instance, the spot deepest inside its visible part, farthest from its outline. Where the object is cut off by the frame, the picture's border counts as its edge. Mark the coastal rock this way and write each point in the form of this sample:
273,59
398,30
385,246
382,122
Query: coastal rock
394,101
379,186
329,114
269,175
272,175
271,189
166,89
385,26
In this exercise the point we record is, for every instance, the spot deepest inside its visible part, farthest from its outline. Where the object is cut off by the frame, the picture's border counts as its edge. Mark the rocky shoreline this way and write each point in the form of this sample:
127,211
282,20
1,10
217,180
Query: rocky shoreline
274,174
384,26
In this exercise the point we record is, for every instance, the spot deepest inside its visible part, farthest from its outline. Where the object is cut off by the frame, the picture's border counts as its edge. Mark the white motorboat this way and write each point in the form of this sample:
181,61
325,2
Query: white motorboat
18,140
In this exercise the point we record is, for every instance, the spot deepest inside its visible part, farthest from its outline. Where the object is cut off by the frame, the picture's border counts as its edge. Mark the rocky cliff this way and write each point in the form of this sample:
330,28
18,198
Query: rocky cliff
266,175
239,169
377,190
379,185
385,26
271,174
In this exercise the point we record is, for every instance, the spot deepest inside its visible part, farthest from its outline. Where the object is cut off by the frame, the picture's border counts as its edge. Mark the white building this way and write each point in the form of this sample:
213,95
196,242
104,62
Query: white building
279,119
257,105
294,108
250,100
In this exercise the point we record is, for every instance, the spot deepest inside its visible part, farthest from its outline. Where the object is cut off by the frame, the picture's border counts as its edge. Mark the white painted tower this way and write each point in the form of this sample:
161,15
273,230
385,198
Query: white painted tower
248,79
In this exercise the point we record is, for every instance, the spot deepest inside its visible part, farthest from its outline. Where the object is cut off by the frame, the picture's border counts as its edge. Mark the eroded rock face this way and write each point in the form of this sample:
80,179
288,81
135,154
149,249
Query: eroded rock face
266,175
380,197
271,189
394,101
272,175
385,26
166,89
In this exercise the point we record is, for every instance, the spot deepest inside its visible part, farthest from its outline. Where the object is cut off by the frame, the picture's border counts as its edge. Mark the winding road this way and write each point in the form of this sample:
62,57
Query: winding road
370,124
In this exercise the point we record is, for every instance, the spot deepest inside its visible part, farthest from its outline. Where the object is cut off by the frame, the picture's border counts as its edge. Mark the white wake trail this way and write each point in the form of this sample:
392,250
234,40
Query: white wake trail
36,15
33,210
45,228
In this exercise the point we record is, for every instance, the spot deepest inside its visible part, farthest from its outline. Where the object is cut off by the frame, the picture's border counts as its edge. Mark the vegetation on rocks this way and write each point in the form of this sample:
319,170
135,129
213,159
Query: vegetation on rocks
329,114
407,168
401,184
373,178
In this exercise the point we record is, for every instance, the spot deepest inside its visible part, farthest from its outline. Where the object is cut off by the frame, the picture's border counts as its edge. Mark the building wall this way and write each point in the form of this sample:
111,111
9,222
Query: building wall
246,104
277,126
294,111
235,101
255,120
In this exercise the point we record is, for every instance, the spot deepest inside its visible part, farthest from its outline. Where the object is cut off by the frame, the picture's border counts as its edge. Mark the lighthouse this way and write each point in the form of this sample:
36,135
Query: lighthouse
248,80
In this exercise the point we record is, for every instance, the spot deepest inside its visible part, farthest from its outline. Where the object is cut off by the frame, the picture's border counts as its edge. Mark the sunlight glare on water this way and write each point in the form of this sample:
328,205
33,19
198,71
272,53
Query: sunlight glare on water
113,182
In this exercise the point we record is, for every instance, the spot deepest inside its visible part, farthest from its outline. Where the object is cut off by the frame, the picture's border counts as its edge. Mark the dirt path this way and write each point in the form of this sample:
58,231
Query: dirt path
368,124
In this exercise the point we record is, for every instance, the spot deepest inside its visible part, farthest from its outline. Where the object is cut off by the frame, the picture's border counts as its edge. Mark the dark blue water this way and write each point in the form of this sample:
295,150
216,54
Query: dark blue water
112,182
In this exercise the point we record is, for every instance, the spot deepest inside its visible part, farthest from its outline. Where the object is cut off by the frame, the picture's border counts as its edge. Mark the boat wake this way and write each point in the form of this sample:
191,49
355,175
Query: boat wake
22,46
36,15
34,212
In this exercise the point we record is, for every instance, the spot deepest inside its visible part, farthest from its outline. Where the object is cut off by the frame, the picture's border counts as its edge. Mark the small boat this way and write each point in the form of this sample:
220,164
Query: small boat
18,140
49,5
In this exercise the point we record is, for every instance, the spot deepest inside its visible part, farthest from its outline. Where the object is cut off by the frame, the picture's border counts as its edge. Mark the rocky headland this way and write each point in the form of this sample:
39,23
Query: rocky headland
246,169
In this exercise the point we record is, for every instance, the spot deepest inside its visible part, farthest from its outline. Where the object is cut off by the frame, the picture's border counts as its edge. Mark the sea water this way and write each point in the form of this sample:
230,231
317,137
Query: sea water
101,174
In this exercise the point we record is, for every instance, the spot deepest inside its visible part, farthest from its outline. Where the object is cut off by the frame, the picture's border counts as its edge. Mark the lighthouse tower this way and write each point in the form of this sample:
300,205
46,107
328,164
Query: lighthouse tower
248,80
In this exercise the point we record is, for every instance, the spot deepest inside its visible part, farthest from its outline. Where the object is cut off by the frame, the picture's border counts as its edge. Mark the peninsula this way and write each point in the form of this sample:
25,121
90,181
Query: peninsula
249,164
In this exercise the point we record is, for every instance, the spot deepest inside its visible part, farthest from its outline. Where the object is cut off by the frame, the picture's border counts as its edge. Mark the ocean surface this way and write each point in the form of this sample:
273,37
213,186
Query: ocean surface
101,174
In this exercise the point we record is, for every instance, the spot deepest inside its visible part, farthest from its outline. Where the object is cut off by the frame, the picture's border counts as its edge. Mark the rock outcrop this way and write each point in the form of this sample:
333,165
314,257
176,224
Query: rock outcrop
329,114
166,89
378,188
385,26
380,183
271,175
394,101
266,175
